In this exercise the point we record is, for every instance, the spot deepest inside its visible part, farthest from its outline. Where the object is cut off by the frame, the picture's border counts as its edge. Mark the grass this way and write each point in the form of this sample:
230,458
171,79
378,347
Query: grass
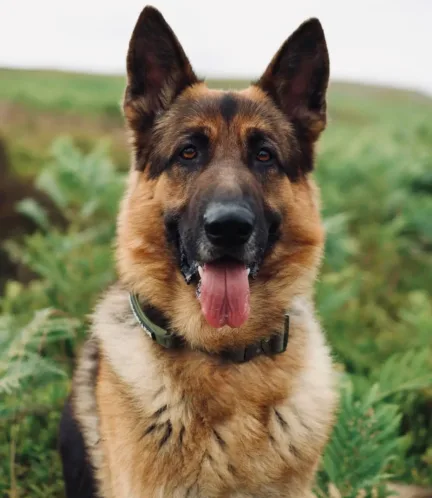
374,293
58,91
36,106
89,94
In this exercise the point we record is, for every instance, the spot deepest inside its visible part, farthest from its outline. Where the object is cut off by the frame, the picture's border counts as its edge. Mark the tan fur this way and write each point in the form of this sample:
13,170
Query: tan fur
273,415
182,423
206,403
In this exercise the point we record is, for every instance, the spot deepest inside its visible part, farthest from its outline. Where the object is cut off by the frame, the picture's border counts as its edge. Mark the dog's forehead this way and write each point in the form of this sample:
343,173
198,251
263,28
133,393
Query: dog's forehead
201,106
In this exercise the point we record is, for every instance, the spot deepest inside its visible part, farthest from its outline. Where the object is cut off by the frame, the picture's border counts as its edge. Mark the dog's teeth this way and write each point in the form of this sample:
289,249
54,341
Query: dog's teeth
248,271
200,271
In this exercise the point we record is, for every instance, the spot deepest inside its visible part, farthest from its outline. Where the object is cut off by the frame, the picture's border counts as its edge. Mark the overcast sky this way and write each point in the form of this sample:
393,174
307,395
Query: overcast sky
381,41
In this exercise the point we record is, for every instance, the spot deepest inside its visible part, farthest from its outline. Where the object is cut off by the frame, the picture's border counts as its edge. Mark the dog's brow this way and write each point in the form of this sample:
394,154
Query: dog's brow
195,131
257,134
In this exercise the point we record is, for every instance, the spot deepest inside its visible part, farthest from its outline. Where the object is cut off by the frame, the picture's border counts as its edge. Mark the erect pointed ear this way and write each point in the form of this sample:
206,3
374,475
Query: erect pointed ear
297,77
157,67
157,70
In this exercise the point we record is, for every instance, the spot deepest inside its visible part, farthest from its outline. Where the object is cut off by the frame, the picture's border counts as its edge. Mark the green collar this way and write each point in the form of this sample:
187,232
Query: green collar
275,344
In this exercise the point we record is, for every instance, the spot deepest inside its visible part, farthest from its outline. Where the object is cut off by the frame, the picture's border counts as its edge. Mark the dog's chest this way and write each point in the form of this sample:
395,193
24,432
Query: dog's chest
189,449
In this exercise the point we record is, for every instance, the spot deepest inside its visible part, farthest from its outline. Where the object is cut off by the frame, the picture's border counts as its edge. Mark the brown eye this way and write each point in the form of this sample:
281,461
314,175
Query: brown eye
264,156
188,153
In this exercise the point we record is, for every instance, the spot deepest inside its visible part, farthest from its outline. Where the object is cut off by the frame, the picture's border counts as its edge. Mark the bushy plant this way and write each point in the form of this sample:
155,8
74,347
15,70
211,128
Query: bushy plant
42,324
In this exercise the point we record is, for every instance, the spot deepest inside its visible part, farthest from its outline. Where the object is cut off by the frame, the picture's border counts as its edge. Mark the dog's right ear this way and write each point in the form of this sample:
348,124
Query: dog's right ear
157,71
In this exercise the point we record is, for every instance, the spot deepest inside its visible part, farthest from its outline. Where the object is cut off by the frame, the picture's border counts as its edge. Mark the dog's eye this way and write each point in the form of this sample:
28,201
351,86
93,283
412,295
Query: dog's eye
264,155
188,153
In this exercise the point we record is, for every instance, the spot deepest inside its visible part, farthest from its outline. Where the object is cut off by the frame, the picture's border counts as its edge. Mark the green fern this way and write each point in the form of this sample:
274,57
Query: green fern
366,438
14,374
21,349
364,441
405,372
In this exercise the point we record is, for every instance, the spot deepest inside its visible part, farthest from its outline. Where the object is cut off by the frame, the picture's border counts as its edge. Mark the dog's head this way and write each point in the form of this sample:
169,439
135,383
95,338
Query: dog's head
220,226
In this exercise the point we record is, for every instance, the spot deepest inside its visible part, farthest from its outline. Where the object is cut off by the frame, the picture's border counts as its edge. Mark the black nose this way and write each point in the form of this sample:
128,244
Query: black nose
228,224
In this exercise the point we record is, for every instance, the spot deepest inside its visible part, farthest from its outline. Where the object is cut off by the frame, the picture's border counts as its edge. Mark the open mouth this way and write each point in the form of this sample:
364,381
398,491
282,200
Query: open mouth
221,274
223,289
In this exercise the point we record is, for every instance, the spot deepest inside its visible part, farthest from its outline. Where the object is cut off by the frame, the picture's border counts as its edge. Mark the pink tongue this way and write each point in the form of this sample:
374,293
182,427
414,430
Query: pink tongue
225,294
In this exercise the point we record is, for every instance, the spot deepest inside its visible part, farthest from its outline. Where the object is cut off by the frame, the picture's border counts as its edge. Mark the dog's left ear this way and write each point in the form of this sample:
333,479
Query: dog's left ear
297,78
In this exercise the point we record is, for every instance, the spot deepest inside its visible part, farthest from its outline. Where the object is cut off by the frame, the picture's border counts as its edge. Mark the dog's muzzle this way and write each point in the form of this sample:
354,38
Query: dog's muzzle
222,242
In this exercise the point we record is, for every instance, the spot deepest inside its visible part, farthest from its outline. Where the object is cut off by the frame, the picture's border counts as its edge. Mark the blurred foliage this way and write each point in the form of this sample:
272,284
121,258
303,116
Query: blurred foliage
64,91
374,298
373,295
43,323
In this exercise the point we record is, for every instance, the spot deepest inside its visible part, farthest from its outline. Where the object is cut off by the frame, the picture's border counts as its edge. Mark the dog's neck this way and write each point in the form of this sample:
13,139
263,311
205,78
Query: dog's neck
157,327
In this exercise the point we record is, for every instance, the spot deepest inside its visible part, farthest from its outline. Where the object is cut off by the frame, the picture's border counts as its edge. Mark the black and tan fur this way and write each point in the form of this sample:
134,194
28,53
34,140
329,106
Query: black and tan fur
144,421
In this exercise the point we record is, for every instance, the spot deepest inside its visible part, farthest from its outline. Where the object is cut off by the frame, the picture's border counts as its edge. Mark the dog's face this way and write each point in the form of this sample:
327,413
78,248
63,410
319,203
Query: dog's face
220,203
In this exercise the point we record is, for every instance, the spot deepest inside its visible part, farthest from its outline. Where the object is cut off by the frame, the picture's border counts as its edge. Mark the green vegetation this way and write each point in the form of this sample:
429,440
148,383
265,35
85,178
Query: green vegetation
374,292
58,91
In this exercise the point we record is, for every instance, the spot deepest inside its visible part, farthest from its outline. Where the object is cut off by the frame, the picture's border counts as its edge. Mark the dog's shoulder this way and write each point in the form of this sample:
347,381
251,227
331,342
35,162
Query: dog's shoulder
79,432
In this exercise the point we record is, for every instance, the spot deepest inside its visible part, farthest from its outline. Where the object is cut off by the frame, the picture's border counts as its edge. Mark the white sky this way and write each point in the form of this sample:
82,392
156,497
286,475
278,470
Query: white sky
381,41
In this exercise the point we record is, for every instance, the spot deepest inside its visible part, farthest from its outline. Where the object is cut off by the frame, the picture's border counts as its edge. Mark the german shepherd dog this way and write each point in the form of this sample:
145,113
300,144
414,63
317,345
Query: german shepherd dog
206,374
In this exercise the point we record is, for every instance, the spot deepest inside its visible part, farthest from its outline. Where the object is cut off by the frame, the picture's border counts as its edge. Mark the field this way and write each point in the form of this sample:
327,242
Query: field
64,133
